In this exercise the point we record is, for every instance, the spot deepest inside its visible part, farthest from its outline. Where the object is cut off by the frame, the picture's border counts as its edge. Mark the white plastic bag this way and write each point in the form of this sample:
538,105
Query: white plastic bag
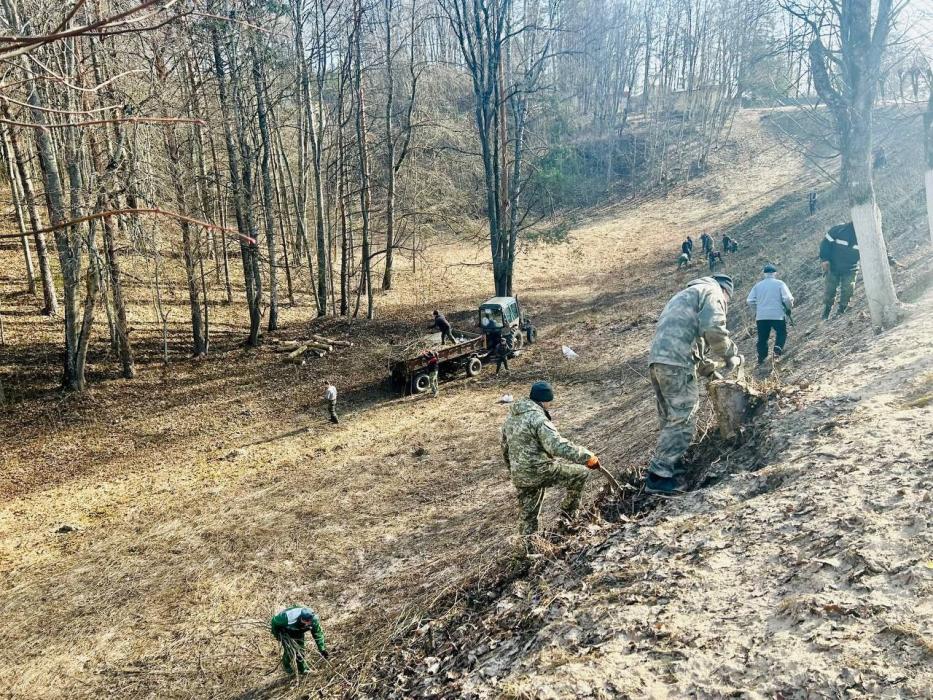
506,398
568,353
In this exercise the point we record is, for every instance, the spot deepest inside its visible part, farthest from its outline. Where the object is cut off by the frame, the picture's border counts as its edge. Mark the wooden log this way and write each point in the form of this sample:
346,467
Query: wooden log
319,346
733,402
294,360
331,341
301,350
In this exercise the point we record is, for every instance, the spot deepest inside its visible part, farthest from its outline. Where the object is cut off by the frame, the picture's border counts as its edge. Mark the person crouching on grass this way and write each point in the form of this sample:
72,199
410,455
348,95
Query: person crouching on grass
289,627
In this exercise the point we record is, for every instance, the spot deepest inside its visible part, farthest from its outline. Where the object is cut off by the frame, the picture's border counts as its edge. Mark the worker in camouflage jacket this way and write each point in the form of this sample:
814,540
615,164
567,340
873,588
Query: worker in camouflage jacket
533,448
692,324
289,627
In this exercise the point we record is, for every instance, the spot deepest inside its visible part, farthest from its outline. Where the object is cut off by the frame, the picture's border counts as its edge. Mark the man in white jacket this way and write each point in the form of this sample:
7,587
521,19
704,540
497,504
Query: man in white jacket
772,301
330,396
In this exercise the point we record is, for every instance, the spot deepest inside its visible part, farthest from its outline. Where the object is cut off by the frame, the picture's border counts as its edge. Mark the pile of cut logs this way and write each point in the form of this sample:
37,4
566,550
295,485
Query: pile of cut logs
296,351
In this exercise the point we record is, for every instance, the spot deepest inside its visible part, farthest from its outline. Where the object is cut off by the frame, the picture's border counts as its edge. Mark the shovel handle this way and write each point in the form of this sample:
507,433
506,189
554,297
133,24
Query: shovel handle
613,484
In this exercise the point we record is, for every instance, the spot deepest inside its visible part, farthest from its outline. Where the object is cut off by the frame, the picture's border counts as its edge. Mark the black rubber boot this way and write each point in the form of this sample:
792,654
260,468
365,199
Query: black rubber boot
661,485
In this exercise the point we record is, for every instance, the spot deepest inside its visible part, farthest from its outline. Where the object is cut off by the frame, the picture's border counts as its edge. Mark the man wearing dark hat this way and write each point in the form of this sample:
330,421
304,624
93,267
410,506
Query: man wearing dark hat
692,323
771,300
533,448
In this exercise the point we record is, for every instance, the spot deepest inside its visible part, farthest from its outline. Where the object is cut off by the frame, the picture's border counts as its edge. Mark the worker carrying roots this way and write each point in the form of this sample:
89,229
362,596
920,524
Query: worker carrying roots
289,627
532,448
693,320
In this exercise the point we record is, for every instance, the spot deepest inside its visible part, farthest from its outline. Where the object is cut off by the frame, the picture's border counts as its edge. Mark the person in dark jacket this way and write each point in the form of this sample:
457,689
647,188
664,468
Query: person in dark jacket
839,258
289,626
706,241
714,257
729,244
687,247
502,355
443,325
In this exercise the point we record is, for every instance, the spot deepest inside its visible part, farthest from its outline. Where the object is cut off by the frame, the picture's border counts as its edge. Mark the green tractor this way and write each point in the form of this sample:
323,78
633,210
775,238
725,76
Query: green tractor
502,317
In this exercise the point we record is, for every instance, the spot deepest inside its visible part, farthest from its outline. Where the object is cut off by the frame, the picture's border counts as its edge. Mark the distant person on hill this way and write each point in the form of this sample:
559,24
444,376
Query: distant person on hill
693,321
443,325
839,259
729,245
289,626
811,201
771,300
687,247
683,261
535,455
706,241
879,158
330,396
714,258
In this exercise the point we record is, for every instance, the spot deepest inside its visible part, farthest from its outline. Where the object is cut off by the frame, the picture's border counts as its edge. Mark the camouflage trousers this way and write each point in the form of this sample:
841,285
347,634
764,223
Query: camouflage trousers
846,284
531,494
678,395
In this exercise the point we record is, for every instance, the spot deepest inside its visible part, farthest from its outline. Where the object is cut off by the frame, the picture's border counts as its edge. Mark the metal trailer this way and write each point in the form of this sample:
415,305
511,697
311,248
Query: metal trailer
410,373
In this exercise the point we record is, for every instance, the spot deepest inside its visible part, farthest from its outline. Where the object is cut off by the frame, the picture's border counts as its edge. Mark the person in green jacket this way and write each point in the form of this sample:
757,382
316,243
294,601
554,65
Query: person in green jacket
289,627
536,456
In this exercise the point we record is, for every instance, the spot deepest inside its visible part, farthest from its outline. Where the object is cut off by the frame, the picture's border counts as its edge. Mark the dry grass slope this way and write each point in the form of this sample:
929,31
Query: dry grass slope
210,492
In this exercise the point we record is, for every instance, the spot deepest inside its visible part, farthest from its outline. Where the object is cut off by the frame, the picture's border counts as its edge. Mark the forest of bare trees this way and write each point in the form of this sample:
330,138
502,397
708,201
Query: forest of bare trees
297,153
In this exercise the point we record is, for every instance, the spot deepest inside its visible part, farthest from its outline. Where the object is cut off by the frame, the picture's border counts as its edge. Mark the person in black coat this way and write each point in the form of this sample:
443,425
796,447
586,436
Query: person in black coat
443,325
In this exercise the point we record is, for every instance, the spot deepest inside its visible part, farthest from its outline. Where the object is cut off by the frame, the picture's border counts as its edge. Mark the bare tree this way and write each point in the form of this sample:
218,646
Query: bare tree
928,148
846,52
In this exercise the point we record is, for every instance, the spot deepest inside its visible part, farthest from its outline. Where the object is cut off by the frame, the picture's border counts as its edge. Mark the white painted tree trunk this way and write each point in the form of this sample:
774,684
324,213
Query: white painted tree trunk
929,183
879,284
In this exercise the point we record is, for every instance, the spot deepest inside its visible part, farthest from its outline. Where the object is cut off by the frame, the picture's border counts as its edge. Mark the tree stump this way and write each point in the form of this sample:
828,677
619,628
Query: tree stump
733,402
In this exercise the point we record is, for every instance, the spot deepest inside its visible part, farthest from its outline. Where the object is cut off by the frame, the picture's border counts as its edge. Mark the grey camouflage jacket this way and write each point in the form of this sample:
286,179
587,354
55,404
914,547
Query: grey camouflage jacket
692,319
531,443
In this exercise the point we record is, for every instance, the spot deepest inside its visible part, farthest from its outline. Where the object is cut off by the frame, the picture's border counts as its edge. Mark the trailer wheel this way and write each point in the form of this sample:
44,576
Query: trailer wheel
420,383
474,367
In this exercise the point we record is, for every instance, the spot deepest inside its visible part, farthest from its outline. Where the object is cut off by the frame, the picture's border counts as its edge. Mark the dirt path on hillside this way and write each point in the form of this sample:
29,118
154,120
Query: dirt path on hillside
209,496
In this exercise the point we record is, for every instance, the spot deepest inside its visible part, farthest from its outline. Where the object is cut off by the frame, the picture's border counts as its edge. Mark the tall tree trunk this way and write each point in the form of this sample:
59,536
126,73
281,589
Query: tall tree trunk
361,137
241,185
199,340
320,212
69,249
390,150
222,216
267,190
124,347
18,206
851,106
49,295
928,141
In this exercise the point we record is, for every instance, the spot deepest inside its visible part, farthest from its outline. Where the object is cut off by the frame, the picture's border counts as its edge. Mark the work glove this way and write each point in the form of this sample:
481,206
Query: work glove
734,362
593,462
706,367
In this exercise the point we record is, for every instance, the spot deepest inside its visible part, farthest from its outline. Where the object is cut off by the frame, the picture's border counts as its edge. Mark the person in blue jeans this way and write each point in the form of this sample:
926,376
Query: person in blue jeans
771,299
